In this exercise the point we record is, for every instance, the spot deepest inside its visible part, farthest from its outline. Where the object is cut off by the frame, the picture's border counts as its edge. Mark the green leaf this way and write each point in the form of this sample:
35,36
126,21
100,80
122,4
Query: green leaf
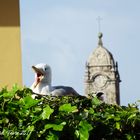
8,95
85,125
37,109
118,125
84,128
52,136
77,133
29,130
5,120
91,111
15,88
28,102
36,119
84,135
55,127
47,111
117,118
132,116
68,108
5,132
96,101
130,137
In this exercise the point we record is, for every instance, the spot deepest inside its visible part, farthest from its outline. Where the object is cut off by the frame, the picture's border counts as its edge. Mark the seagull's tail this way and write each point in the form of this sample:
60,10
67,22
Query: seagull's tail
74,92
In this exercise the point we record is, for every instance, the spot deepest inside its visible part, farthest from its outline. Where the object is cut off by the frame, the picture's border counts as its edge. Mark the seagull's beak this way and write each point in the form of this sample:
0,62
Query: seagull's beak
37,71
39,75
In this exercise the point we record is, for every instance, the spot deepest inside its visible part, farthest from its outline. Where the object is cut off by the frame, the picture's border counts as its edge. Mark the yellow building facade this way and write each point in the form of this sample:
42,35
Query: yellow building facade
10,51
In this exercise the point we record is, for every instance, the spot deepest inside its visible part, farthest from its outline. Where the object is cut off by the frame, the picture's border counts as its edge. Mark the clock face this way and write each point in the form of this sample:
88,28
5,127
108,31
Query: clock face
100,81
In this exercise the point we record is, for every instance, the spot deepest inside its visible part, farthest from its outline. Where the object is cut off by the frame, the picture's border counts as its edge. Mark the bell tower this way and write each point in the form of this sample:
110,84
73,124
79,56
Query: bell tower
101,75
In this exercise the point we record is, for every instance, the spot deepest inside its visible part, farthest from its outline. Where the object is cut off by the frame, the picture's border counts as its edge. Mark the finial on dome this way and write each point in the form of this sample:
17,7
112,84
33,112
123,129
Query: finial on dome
100,35
100,43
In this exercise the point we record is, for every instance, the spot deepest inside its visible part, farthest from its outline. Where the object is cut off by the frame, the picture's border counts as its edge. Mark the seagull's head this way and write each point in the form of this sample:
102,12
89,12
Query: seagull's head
42,73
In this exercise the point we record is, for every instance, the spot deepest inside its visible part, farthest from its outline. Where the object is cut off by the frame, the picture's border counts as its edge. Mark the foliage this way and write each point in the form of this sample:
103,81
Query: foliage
71,118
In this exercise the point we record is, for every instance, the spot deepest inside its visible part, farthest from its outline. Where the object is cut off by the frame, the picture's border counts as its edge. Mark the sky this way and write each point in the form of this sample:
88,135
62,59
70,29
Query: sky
63,33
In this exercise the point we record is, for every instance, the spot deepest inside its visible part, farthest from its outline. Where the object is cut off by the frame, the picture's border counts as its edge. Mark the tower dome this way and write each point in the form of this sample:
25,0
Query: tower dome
101,56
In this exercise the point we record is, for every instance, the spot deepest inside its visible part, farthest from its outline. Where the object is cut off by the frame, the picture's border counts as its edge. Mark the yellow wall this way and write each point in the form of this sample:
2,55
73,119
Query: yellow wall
10,52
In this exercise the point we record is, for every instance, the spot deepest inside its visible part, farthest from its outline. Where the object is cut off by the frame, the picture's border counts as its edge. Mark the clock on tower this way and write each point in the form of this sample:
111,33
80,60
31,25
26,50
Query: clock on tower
100,81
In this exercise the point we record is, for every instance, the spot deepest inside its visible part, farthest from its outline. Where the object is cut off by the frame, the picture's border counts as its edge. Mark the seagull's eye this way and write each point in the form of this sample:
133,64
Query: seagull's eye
45,69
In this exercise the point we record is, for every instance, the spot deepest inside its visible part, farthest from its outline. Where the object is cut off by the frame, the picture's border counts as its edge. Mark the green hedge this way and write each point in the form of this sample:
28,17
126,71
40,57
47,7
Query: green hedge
70,118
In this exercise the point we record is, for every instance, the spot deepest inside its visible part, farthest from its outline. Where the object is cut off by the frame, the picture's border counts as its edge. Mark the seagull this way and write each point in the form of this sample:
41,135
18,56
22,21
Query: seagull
42,84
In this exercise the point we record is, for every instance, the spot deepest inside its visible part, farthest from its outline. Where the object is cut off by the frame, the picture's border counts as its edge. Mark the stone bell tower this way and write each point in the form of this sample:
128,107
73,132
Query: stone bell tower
102,76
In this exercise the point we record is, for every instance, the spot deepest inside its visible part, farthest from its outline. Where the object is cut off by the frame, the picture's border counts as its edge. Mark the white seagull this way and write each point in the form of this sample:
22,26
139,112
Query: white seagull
42,83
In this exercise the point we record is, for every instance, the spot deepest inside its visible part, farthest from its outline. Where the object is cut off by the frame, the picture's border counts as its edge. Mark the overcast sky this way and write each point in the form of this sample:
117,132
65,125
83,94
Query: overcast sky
63,33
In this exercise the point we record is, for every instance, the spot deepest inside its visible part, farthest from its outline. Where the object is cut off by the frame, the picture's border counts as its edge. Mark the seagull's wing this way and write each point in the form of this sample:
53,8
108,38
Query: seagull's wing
63,91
